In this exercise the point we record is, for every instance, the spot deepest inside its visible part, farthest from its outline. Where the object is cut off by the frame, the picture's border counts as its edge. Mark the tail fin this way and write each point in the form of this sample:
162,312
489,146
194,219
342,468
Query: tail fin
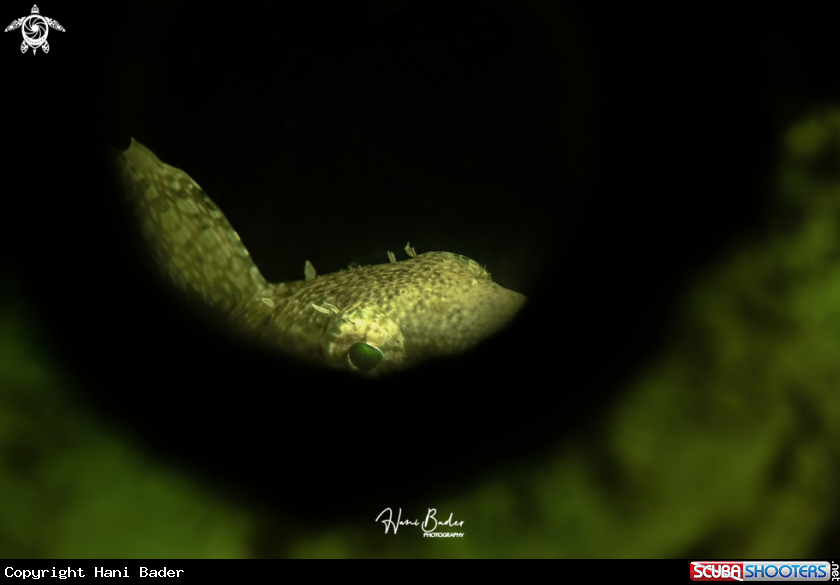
193,244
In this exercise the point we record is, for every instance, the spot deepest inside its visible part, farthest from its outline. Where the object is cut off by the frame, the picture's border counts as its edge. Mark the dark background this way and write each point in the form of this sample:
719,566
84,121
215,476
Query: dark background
592,157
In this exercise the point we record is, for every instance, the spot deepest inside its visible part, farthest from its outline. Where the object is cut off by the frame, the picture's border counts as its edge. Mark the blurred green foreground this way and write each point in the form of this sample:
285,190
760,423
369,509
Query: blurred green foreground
727,444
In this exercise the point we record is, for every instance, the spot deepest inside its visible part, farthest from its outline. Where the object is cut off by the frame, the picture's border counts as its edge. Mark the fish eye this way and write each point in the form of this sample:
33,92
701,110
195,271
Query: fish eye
365,357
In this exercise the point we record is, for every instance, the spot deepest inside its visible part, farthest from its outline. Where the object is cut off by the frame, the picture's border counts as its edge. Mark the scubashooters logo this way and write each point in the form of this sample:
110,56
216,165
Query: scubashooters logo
35,29
764,571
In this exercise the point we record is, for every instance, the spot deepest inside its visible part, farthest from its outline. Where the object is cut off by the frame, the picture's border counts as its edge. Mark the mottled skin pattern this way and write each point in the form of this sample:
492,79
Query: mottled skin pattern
434,304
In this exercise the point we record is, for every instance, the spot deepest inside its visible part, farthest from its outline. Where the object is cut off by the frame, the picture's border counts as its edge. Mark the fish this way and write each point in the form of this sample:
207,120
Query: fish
367,320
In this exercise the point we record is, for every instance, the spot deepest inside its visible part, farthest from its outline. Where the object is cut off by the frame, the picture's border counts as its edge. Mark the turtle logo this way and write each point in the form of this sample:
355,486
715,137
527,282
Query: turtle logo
34,28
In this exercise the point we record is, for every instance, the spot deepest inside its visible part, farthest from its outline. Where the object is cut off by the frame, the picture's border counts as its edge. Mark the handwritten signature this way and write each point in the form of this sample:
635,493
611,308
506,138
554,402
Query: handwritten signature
430,524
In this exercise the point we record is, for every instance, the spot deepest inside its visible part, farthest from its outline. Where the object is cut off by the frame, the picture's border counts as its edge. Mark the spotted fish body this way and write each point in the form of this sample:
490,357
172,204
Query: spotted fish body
403,313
